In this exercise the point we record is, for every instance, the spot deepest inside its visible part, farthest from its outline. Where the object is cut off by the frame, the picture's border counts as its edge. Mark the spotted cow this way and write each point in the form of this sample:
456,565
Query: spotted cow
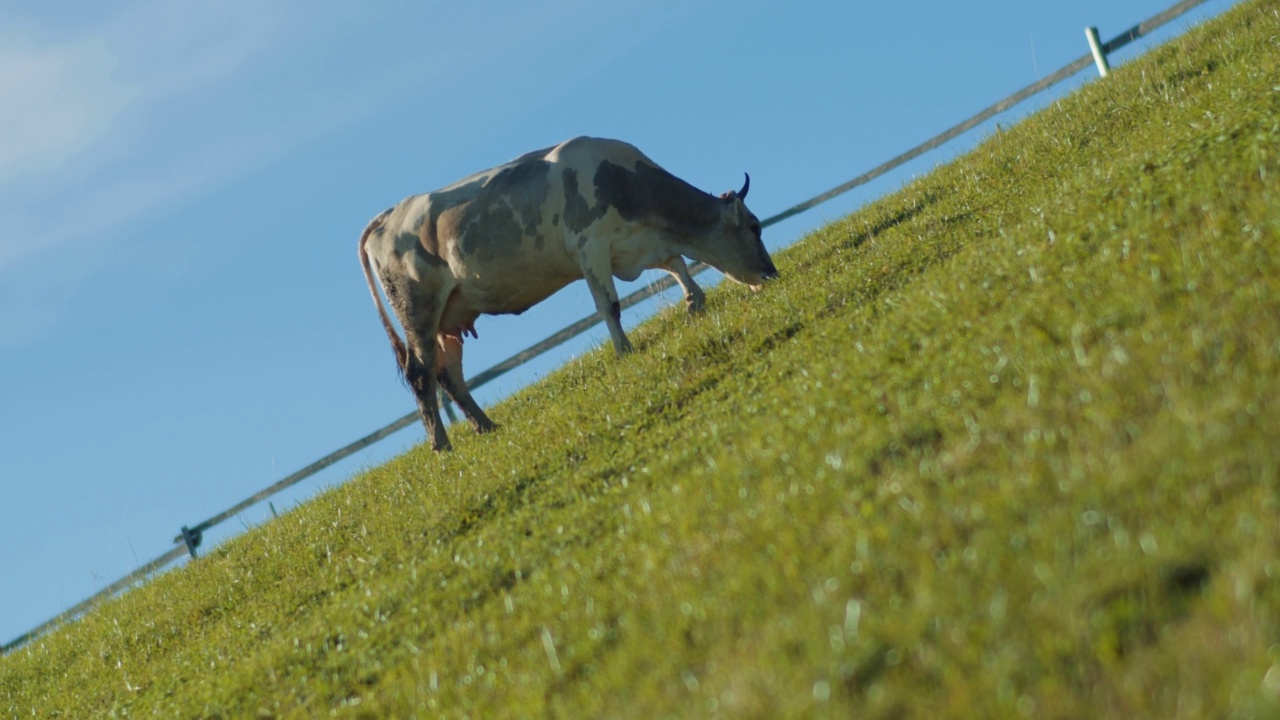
504,239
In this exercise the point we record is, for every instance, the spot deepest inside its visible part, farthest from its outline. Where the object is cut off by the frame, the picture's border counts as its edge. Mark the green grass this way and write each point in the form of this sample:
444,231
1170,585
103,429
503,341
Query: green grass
1004,443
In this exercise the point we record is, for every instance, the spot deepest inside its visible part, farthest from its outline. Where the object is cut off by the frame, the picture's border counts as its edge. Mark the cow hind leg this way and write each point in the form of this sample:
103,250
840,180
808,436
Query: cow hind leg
419,373
449,375
423,383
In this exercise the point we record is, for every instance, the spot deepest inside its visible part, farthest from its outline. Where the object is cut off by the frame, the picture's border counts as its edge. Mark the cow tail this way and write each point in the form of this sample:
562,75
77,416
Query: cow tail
397,345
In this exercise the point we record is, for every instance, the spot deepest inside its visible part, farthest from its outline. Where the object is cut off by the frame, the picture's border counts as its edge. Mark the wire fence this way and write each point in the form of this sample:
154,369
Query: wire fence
189,538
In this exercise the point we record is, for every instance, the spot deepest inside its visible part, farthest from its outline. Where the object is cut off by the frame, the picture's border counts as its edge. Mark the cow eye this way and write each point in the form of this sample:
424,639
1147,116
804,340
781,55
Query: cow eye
755,228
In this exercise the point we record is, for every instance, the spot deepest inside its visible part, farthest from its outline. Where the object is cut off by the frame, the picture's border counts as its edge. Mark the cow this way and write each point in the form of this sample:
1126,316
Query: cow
507,238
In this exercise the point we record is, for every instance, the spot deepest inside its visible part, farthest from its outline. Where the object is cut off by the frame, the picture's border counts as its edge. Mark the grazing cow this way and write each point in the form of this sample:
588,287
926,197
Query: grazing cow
507,238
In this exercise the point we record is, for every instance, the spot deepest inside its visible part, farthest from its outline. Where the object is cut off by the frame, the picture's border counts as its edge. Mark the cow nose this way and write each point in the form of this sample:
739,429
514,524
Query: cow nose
769,275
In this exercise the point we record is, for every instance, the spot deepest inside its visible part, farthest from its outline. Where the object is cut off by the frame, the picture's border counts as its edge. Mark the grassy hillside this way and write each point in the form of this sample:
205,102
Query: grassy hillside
1004,443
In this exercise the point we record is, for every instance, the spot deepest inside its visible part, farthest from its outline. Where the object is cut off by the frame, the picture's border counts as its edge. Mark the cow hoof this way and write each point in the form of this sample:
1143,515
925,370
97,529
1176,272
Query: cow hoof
482,429
696,308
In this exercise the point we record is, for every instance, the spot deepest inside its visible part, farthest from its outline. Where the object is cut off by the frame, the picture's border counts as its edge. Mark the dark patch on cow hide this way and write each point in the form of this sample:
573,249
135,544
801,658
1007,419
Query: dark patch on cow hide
491,216
578,216
430,259
405,241
523,184
654,196
491,234
503,212
410,242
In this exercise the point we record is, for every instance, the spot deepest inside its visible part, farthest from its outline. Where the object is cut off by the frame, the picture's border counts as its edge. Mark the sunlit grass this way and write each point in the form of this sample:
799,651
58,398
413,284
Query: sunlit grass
1005,442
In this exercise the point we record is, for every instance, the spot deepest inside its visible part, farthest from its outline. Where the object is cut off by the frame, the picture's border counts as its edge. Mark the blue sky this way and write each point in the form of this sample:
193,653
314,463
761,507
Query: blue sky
183,320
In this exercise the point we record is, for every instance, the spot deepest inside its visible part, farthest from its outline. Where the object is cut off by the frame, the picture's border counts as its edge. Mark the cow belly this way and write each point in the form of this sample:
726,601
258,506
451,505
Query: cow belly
509,284
508,297
478,295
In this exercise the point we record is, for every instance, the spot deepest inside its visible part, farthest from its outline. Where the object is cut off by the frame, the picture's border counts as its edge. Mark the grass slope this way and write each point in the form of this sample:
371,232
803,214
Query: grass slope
1005,442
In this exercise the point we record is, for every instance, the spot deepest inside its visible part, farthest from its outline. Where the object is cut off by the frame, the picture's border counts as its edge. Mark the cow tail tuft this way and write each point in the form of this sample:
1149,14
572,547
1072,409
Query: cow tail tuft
397,344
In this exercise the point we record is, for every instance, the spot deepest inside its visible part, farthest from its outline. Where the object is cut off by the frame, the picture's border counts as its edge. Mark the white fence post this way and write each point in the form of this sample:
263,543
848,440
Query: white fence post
1095,46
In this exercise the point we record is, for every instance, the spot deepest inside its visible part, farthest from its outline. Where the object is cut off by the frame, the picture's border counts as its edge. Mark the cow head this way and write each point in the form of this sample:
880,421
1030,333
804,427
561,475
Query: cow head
740,253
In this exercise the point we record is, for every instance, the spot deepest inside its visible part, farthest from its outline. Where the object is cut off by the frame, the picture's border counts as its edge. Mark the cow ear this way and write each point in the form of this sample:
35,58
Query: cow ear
740,194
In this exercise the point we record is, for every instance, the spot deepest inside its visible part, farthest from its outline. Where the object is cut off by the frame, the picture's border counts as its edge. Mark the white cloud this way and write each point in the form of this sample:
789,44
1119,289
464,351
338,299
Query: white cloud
92,134
83,114
54,101
62,93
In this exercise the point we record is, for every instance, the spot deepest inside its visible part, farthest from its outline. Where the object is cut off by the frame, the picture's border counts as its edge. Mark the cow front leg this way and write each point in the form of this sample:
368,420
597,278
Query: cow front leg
449,374
694,298
597,269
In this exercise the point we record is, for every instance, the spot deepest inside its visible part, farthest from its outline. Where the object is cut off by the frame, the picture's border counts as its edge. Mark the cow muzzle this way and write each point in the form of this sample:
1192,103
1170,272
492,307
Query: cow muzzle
769,276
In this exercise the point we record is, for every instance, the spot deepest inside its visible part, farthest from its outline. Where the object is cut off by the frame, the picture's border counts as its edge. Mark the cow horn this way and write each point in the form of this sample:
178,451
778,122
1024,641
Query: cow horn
742,194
